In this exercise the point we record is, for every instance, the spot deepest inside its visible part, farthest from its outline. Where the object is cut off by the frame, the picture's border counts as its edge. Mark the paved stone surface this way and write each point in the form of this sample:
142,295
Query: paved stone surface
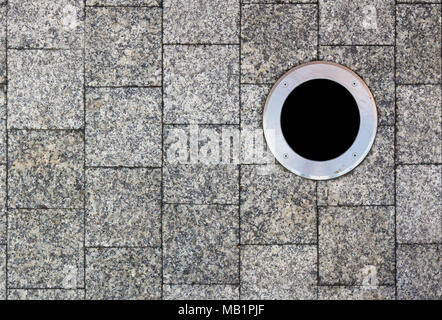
50,94
371,183
201,292
419,118
45,249
270,44
123,273
375,64
201,21
45,169
418,42
278,272
123,207
200,244
356,22
123,46
127,168
123,127
354,242
45,23
418,194
201,84
419,272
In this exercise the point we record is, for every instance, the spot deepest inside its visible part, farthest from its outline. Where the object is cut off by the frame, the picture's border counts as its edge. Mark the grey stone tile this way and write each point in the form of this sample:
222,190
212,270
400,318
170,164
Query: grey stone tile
347,22
418,204
354,241
2,142
201,21
201,292
45,249
45,294
45,23
418,1
418,124
253,98
123,207
123,2
278,272
375,64
278,1
419,272
3,11
201,84
356,293
371,183
271,41
46,169
2,272
123,127
200,244
123,46
2,204
2,102
277,208
49,95
123,273
418,41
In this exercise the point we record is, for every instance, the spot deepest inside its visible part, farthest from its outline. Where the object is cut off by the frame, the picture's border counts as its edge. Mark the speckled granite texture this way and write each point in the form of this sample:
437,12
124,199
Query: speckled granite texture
98,201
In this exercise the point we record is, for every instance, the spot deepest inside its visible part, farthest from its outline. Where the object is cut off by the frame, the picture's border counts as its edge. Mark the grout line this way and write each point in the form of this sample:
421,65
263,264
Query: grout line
280,244
162,155
355,45
122,6
122,87
201,44
317,240
121,167
395,151
202,284
239,166
7,158
84,149
122,247
317,31
354,205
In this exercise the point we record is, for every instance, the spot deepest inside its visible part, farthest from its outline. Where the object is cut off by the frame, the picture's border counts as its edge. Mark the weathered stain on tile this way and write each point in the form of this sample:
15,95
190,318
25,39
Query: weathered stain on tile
278,272
201,84
419,124
123,46
45,294
123,273
45,249
123,207
356,244
45,169
123,127
419,272
201,292
200,244
45,23
201,21
347,22
418,58
275,38
418,192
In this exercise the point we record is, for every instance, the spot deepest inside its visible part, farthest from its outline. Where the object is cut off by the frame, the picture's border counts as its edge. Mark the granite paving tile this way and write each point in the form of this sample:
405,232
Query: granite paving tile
419,215
347,22
123,207
275,38
45,23
200,244
371,183
201,84
278,1
419,272
419,124
2,272
124,2
277,208
45,249
253,98
278,272
418,58
123,46
201,21
123,127
355,242
2,102
2,204
49,94
375,64
45,294
356,293
123,273
3,11
45,169
201,292
2,142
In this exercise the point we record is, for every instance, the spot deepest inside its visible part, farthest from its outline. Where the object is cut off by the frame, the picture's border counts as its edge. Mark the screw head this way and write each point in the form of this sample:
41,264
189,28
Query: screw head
285,156
354,155
285,84
354,83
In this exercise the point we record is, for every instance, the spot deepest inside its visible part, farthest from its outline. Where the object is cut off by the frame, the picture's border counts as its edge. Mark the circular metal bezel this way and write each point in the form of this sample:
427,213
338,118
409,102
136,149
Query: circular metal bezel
320,170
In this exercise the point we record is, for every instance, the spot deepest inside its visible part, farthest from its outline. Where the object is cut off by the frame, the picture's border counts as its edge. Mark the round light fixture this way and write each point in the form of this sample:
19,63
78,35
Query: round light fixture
320,120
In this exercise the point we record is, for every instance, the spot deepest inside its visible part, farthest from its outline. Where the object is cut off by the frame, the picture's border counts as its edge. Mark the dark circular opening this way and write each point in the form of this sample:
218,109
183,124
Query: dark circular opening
320,119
